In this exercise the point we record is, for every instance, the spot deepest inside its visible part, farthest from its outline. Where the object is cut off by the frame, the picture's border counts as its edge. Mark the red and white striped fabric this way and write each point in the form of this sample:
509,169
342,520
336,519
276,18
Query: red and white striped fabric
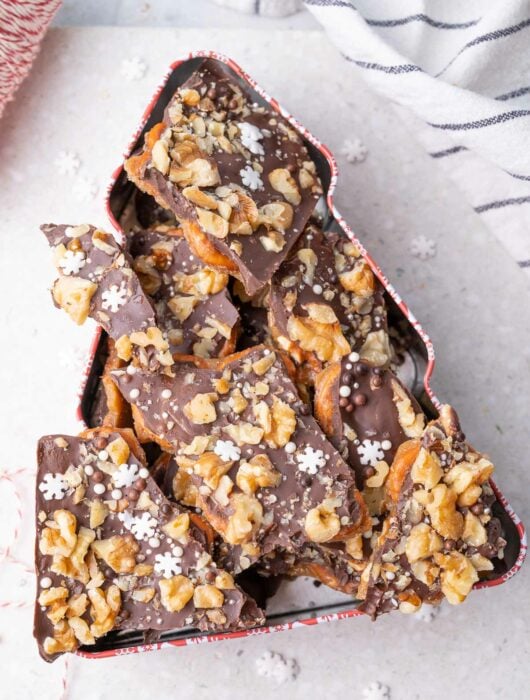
23,24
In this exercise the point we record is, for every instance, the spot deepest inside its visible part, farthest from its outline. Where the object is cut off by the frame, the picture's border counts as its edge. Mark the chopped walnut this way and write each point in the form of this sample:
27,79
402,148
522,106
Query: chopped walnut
201,409
445,518
208,596
118,551
322,523
245,519
175,592
258,472
74,294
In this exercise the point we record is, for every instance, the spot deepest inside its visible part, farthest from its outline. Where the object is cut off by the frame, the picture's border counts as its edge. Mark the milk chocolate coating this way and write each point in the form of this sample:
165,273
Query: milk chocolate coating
371,412
119,304
174,261
386,592
281,147
313,275
284,506
63,455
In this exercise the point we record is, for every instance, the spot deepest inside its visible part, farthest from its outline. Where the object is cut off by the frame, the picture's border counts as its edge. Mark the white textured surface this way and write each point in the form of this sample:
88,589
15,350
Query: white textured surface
470,296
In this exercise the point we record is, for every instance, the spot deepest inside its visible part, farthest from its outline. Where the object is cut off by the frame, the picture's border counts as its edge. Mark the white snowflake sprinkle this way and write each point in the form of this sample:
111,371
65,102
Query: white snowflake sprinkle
53,487
251,178
354,150
376,691
142,526
370,452
423,248
275,666
73,358
72,262
125,475
426,613
133,68
114,297
227,451
167,565
84,188
67,163
251,137
310,460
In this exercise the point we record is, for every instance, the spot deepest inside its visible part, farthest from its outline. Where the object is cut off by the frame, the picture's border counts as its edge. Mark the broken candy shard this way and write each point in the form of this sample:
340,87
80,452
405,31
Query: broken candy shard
97,280
439,536
112,553
326,302
366,413
265,474
236,175
193,306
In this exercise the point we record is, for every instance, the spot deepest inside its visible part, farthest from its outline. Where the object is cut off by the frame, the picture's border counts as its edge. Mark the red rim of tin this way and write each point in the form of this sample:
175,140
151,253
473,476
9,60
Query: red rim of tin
343,614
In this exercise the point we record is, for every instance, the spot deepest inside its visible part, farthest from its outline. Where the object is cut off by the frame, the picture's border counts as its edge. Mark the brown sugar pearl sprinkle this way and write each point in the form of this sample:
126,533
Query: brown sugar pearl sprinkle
97,477
100,442
139,484
132,494
359,399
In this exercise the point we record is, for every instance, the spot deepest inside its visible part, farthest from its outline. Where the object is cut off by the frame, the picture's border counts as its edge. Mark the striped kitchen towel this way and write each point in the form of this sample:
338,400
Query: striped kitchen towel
23,24
463,70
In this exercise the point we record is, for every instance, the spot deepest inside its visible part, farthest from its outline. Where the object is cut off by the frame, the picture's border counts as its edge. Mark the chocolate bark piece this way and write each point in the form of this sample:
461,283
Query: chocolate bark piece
326,302
112,553
193,306
108,405
236,175
367,413
96,279
265,474
440,536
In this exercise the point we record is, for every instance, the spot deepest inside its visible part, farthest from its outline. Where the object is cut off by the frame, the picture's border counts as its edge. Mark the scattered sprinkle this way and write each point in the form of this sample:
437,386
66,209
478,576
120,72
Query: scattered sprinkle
251,137
133,68
310,460
227,451
354,150
376,691
67,163
276,666
423,248
251,178
370,452
53,487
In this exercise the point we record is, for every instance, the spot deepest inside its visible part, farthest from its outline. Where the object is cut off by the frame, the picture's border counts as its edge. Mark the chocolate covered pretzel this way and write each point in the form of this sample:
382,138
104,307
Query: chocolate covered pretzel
235,174
367,413
192,303
338,565
96,279
440,536
325,302
264,473
114,554
108,406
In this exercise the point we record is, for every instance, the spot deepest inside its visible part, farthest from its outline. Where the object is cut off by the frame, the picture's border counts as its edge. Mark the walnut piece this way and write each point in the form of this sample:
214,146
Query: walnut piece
74,294
258,472
322,522
201,409
175,592
118,552
245,519
208,596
